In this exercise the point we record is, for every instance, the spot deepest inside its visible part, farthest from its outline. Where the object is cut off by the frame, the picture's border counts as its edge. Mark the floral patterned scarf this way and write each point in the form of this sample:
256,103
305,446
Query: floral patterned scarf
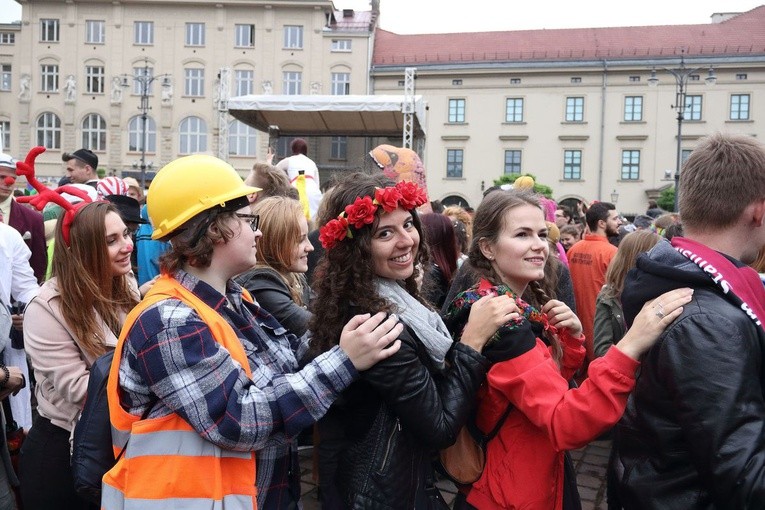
457,314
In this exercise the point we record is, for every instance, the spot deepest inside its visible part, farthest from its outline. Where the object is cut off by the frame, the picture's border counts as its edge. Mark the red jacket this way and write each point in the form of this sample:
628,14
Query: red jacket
524,464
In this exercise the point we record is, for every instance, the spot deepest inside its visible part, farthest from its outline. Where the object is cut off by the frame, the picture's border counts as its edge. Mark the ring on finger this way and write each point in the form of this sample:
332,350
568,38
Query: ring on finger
659,311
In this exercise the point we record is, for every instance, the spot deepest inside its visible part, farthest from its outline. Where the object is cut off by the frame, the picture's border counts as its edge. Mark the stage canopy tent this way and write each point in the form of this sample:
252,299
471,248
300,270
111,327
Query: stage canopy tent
316,115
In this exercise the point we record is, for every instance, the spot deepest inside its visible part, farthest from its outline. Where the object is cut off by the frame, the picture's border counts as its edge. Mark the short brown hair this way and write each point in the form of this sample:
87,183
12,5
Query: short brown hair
191,247
721,178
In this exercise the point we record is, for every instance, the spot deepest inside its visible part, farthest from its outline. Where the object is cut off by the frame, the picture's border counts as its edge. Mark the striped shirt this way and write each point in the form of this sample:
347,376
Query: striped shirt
172,362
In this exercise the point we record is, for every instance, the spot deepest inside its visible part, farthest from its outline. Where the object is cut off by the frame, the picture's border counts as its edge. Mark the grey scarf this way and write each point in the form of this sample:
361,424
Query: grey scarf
427,324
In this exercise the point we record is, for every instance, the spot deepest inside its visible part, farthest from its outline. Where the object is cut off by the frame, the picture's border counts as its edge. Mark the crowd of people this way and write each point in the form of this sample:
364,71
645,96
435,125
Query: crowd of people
247,316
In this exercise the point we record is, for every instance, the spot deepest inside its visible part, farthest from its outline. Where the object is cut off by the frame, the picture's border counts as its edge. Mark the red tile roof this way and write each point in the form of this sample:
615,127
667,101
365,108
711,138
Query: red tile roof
360,21
743,34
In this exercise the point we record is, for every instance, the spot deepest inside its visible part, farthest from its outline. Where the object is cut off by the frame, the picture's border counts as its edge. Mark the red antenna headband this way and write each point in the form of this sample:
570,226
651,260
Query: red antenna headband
46,195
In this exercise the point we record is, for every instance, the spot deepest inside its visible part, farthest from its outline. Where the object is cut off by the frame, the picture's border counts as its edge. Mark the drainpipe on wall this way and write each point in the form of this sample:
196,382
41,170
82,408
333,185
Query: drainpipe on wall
603,88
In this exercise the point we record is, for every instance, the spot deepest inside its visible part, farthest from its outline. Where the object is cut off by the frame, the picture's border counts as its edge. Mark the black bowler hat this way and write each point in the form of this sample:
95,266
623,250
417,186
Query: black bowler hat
129,208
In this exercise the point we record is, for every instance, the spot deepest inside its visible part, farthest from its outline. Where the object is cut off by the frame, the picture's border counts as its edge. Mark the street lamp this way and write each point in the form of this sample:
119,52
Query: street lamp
682,75
614,196
144,80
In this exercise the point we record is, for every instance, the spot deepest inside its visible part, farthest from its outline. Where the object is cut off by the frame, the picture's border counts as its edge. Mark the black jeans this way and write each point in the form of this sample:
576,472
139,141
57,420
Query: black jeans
45,471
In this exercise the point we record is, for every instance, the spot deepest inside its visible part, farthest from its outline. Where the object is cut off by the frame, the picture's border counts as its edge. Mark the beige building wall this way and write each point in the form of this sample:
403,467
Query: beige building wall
544,135
169,54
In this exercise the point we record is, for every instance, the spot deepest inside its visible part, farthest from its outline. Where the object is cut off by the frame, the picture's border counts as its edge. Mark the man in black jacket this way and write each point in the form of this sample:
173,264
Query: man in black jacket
693,433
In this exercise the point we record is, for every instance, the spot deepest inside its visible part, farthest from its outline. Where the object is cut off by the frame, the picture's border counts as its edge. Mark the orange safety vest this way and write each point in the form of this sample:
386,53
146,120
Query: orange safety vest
167,464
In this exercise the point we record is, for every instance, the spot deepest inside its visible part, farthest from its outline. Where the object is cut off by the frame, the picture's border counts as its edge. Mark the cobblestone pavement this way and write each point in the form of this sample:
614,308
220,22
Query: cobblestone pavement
590,463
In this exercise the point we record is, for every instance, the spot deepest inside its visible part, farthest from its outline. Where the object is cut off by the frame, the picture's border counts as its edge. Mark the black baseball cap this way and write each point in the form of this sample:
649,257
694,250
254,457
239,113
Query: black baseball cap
84,155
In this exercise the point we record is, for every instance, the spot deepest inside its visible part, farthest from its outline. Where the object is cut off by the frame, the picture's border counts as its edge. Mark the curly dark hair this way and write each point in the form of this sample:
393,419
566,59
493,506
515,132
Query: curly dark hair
345,274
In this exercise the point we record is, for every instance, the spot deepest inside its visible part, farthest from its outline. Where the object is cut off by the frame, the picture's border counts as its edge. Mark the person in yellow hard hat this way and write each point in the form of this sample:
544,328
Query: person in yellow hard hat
205,385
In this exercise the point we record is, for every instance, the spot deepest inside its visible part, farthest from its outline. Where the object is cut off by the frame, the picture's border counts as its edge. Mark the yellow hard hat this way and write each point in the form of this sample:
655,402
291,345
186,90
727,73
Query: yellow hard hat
189,185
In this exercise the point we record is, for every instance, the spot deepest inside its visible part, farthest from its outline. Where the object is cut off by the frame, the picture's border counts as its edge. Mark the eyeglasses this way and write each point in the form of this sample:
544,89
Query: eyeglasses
253,219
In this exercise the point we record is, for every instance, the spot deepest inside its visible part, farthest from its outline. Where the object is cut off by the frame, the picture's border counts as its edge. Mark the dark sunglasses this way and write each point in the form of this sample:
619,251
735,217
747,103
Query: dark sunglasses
253,219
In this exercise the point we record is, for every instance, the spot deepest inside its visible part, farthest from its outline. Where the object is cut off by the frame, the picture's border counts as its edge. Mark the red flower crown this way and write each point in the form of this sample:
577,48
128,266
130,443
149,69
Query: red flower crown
405,194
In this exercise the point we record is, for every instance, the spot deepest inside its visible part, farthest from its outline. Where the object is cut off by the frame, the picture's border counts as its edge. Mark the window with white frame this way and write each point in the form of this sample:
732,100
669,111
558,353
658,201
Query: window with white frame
341,45
456,110
49,30
574,109
6,77
633,108
292,83
49,78
242,139
94,132
341,84
94,79
136,138
195,81
572,164
48,129
630,165
244,36
293,36
5,135
195,34
7,38
95,31
739,107
139,72
338,148
514,109
692,108
685,154
512,161
454,159
244,79
143,32
193,135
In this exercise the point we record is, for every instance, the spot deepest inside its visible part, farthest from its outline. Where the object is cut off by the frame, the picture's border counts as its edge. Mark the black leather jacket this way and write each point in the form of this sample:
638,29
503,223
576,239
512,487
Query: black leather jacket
693,433
392,419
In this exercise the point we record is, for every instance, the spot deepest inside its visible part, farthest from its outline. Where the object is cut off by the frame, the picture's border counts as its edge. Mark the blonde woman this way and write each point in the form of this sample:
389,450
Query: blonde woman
609,318
277,282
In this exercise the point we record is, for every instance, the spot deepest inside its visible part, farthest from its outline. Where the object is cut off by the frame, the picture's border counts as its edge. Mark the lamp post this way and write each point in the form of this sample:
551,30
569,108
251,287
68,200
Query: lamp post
144,80
682,75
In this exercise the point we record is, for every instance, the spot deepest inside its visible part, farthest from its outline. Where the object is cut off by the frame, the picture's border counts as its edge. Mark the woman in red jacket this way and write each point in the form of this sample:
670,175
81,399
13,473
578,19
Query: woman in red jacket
525,465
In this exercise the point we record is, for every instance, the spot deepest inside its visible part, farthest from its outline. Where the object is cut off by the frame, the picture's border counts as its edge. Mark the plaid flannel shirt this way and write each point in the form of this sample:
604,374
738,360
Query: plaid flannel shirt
172,362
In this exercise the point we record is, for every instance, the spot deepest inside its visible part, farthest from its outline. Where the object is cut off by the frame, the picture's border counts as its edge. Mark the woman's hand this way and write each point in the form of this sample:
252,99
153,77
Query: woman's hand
14,384
652,320
561,316
143,289
367,340
486,316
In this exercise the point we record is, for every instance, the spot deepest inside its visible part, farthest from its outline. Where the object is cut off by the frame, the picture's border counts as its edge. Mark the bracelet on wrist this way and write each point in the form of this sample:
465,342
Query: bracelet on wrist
6,376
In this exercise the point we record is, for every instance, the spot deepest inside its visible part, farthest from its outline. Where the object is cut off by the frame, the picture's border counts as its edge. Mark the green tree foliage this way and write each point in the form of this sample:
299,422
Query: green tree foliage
667,199
542,189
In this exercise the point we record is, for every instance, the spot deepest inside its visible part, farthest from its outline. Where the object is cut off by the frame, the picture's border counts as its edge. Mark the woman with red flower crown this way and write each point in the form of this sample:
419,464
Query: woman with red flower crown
377,439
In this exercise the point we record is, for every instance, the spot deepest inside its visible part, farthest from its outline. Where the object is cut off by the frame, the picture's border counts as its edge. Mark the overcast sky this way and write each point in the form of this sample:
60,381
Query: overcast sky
433,16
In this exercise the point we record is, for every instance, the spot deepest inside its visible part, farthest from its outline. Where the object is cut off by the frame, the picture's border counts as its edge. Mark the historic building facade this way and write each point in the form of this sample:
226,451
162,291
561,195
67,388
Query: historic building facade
574,106
73,73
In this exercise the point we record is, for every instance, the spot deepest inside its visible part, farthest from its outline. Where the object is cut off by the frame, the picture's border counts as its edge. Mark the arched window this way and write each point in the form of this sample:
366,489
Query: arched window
193,132
241,139
94,132
49,130
135,134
